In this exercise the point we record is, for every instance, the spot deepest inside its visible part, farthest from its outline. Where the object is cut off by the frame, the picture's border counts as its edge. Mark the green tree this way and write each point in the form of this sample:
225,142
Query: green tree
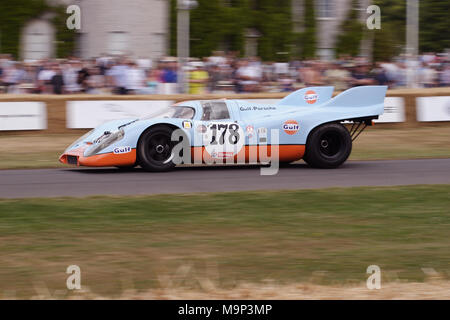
215,25
351,32
14,15
173,28
65,38
390,39
307,38
434,26
273,19
233,24
210,24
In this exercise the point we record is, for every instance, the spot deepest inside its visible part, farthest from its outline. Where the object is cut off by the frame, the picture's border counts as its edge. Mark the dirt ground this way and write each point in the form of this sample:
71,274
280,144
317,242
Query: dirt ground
431,290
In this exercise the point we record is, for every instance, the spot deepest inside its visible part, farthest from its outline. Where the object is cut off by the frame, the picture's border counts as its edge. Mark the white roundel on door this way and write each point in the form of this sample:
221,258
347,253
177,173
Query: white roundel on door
223,139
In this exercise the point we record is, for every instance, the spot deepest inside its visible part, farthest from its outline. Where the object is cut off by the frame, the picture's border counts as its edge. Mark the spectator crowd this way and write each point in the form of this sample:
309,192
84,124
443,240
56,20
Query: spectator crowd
220,73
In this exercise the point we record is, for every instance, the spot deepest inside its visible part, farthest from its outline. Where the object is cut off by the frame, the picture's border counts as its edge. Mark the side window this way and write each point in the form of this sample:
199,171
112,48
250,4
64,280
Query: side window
215,110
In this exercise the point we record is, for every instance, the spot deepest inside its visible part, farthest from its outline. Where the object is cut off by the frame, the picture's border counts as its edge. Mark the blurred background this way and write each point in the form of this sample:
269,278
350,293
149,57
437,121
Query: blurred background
220,46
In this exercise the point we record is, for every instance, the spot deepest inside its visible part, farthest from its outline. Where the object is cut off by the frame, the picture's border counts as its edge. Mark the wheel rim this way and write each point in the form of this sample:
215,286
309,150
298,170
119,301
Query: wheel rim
330,144
159,148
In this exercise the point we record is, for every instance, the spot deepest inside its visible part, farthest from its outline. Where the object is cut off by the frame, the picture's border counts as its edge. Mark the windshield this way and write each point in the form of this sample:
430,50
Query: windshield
179,112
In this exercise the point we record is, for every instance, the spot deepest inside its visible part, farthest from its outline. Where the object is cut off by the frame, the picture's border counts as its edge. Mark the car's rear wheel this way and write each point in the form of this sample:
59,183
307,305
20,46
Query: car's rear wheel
155,149
328,146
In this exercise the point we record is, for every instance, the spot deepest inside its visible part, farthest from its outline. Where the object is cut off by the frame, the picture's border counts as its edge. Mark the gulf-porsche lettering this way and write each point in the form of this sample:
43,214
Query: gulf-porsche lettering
258,108
122,150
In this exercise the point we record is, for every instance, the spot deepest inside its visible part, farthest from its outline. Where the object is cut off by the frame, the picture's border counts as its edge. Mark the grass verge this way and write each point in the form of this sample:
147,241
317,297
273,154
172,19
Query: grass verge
324,237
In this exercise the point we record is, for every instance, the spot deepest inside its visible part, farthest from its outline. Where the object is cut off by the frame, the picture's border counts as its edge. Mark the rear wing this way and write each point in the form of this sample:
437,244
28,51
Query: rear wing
359,105
308,97
360,97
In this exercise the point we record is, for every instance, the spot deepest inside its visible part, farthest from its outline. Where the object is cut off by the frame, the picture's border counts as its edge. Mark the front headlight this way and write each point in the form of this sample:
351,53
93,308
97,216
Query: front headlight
104,141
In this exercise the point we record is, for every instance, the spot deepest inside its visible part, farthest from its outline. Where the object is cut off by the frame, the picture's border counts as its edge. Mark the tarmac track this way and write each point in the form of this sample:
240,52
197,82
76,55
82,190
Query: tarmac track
78,182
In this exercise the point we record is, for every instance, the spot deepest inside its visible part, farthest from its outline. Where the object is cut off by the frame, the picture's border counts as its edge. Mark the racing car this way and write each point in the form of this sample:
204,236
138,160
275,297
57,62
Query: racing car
307,124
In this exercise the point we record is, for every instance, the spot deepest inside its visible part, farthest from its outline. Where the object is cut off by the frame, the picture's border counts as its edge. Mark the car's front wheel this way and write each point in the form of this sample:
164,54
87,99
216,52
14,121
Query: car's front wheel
155,149
328,146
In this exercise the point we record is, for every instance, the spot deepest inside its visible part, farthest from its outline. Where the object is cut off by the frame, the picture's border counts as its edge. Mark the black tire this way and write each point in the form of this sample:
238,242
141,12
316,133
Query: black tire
155,149
328,146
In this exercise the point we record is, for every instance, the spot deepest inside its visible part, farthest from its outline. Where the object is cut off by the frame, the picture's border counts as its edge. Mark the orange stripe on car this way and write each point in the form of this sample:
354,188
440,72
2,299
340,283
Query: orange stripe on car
109,159
287,153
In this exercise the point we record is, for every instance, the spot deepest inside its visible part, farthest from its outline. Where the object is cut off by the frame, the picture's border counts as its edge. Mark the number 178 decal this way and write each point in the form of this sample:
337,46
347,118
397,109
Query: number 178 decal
223,139
220,130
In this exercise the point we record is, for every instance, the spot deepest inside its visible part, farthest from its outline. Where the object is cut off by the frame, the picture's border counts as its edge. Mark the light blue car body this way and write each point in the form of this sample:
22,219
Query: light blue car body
365,102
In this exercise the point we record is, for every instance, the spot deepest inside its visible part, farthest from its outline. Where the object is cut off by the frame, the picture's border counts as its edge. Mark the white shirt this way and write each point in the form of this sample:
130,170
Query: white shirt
70,76
46,75
135,78
120,75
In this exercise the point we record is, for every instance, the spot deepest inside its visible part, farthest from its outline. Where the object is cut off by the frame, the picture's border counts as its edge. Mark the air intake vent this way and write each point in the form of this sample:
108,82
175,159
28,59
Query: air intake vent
72,160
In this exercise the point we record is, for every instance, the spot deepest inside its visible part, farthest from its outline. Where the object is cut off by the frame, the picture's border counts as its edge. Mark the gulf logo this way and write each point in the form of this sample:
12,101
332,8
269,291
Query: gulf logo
122,150
291,127
311,97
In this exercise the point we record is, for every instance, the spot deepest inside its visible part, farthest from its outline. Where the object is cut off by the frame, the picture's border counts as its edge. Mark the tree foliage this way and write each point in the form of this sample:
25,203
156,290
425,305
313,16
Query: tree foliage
434,25
218,26
308,37
14,15
65,38
389,41
273,19
351,33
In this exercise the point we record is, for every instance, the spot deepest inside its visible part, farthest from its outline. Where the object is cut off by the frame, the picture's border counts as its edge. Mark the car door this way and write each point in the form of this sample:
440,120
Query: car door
217,132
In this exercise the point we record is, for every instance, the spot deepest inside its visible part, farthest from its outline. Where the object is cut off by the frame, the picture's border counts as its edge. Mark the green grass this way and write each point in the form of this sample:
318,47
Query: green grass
289,236
35,160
